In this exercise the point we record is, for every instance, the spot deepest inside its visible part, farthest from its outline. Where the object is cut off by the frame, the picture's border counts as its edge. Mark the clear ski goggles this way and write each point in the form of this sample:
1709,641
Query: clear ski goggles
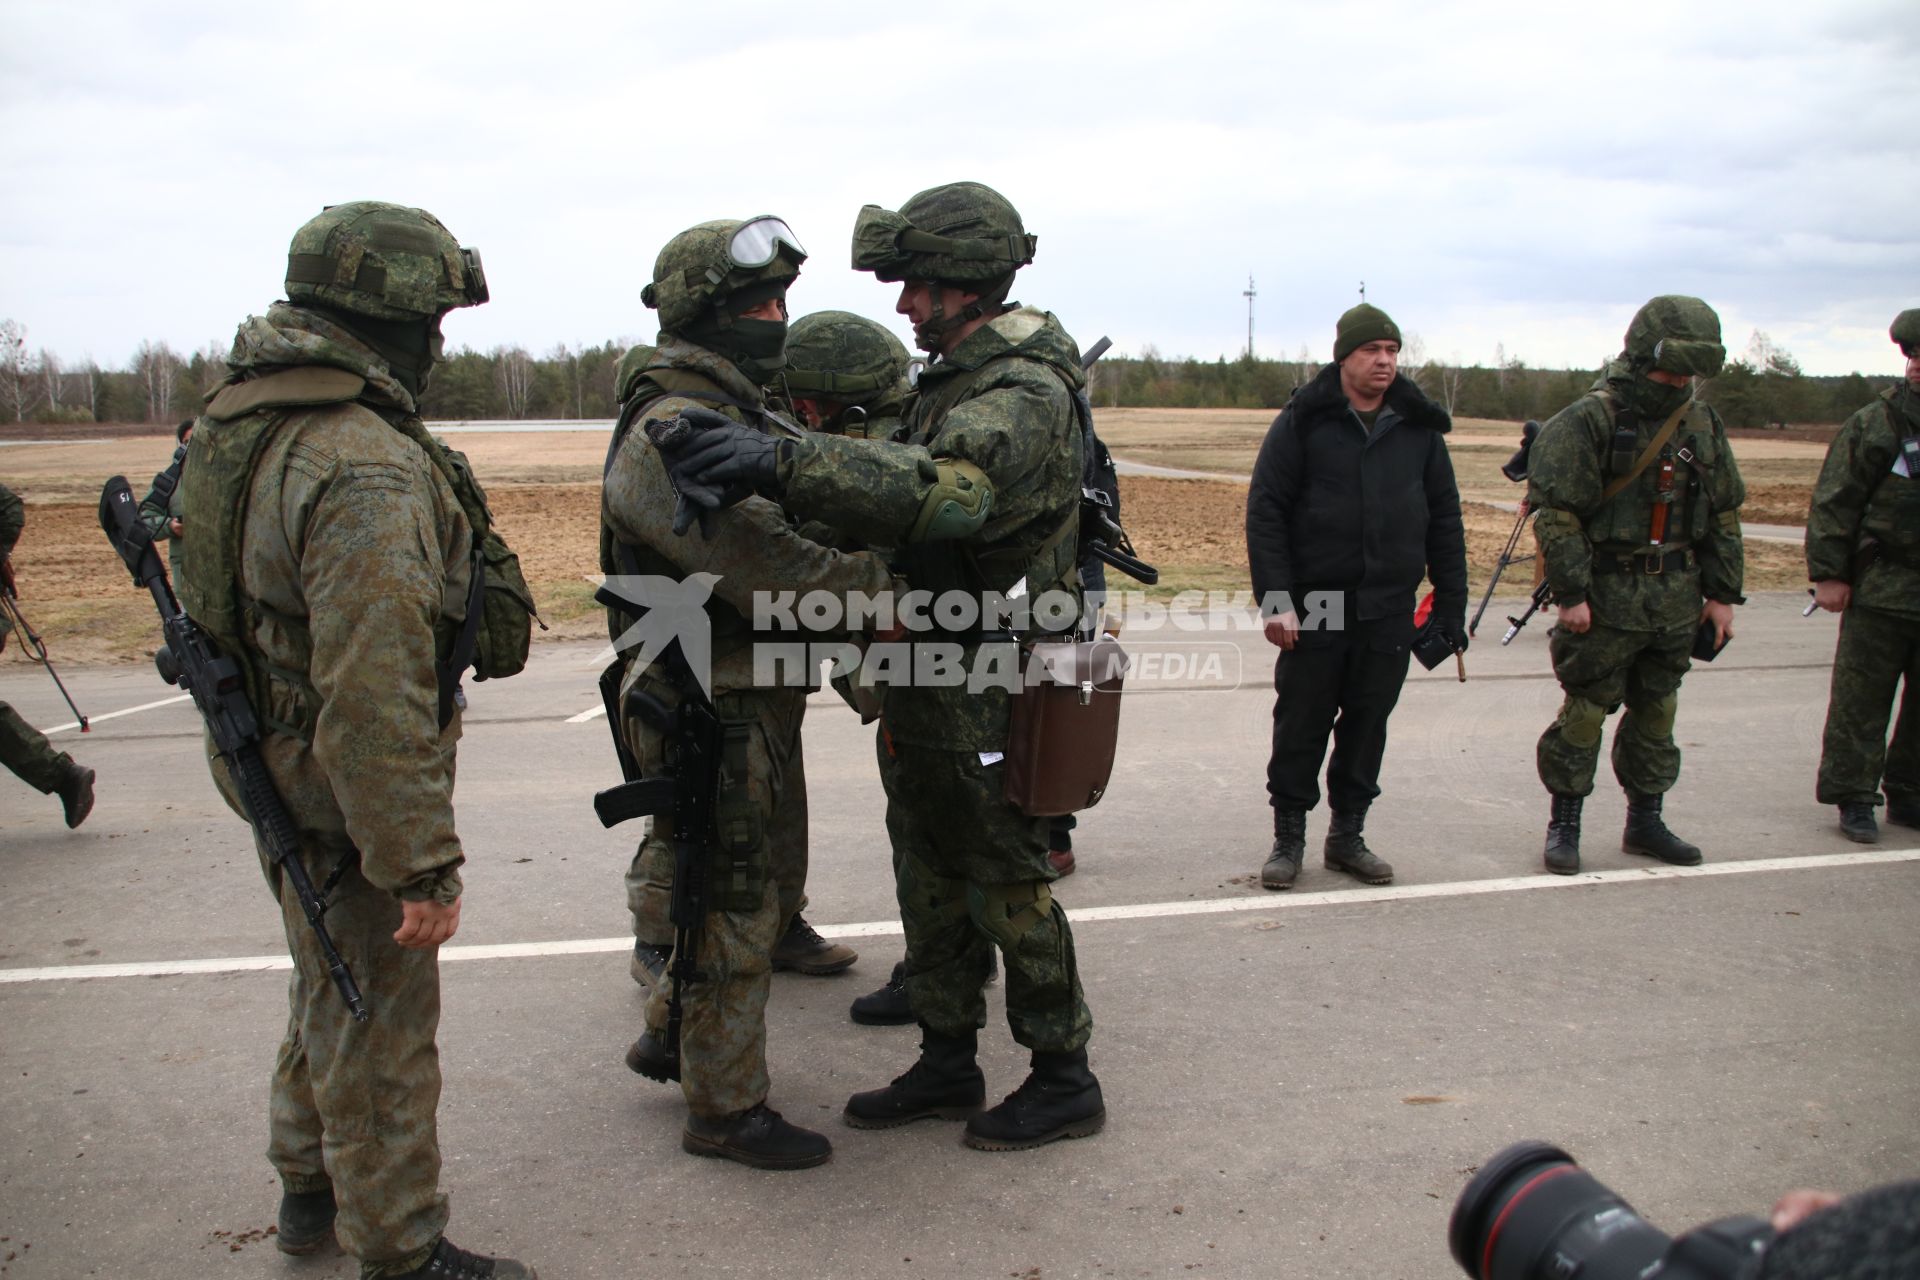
758,242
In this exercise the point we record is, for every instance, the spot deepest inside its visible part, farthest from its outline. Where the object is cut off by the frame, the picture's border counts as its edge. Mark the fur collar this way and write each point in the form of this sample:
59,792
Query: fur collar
1323,396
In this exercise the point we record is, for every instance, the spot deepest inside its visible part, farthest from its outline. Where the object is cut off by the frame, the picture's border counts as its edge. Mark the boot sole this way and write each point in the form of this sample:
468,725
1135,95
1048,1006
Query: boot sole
1361,876
657,1072
694,1145
1074,1129
881,1019
814,970
1276,887
931,1113
301,1248
1694,861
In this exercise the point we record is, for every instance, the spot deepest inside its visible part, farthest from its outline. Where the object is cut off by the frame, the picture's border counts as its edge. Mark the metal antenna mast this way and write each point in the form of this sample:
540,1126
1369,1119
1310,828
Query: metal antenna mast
1363,291
1248,293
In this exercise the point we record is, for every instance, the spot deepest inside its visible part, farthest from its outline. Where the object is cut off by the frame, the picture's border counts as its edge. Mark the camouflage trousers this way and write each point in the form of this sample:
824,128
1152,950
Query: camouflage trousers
26,751
1876,652
971,873
353,1103
1601,669
723,1035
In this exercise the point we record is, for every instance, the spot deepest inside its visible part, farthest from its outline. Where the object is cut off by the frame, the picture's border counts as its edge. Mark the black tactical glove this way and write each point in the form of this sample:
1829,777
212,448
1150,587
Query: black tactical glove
1455,632
713,462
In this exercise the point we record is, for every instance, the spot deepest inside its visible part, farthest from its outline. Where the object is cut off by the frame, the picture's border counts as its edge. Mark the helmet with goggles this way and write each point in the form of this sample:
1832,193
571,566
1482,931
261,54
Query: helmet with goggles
716,270
386,261
1676,334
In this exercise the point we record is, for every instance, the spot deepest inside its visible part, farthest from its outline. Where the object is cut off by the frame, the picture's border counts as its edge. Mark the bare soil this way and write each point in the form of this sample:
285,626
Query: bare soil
544,491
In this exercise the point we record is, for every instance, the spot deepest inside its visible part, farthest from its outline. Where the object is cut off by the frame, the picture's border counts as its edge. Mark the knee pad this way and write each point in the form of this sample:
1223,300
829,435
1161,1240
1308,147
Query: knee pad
1007,912
1655,719
1581,721
924,891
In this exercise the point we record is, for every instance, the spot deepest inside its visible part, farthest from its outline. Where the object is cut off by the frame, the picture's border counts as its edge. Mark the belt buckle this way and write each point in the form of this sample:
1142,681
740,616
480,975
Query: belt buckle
1656,564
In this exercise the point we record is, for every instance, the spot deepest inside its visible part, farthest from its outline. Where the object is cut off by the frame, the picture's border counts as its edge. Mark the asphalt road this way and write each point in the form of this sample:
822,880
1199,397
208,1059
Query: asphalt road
1298,1085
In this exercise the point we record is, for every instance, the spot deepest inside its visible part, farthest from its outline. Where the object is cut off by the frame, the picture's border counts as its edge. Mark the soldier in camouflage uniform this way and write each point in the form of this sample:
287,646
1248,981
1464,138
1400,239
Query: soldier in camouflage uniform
1863,556
24,749
720,289
1642,544
984,494
330,557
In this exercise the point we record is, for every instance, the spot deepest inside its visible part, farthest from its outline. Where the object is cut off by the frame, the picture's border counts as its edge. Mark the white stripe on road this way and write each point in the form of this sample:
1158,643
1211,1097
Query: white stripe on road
1085,915
124,711
591,713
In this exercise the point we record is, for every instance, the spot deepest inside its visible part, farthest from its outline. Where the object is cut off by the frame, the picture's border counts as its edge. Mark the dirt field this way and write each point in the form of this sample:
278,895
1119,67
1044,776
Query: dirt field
544,490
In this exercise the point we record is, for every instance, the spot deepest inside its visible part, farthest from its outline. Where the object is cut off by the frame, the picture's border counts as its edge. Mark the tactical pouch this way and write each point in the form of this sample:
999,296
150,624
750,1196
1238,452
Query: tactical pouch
1065,725
737,877
506,613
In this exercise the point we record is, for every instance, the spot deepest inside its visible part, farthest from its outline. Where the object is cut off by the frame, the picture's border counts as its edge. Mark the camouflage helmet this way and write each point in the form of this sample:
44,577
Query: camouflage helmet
842,356
1676,334
383,260
1905,332
705,266
963,233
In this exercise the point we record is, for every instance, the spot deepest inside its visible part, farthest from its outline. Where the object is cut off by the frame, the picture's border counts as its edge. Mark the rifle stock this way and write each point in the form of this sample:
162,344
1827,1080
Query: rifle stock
190,660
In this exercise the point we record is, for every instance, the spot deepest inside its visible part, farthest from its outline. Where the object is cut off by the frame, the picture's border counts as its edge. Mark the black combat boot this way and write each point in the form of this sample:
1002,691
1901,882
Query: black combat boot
306,1220
647,1056
450,1262
1857,824
944,1084
1903,809
1289,848
1647,834
1058,1099
1346,851
1563,835
76,793
649,962
886,1007
757,1137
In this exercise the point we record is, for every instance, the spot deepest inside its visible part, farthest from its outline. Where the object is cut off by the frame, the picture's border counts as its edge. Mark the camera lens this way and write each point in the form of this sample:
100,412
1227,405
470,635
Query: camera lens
1533,1214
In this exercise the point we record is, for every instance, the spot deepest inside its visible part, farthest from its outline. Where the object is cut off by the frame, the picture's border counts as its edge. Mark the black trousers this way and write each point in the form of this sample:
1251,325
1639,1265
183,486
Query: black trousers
1340,682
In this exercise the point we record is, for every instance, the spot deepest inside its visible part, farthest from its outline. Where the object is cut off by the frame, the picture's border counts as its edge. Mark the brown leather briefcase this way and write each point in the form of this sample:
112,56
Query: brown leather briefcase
1066,722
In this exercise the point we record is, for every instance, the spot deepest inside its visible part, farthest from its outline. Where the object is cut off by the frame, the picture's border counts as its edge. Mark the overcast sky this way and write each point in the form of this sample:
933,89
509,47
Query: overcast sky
1512,174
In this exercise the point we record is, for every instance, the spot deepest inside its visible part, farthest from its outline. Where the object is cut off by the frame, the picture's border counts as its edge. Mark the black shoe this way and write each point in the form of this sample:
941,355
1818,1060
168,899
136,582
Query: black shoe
1289,849
943,1084
649,962
1857,824
648,1057
1903,810
450,1262
1562,853
1346,851
757,1137
76,793
886,1007
306,1221
803,950
1058,1099
1646,834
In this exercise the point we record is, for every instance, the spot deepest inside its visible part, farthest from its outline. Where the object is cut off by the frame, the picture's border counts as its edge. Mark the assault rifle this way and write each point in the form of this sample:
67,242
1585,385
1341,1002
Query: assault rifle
685,796
1100,533
190,660
1542,596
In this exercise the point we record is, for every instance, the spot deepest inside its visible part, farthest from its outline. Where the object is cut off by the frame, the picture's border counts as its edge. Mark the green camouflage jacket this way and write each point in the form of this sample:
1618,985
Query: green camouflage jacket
1859,496
1567,473
1003,400
752,546
353,570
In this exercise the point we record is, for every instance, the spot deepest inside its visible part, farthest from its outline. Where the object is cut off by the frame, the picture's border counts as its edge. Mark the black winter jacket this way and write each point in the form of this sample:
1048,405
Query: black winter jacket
1331,509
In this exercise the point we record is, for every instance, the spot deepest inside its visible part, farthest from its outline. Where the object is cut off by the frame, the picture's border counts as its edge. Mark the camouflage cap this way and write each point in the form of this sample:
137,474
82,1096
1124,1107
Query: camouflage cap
697,270
1676,334
962,233
1905,332
382,260
842,356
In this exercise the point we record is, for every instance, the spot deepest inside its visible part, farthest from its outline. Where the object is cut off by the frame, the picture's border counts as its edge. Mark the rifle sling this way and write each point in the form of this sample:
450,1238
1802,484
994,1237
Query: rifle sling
1647,455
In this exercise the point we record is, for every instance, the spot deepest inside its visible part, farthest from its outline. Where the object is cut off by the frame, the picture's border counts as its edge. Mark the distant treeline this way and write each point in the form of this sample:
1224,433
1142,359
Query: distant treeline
159,385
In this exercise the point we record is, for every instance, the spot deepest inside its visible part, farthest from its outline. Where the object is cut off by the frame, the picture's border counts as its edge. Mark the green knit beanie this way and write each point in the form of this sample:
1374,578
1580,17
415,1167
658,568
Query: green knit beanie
1906,331
1365,323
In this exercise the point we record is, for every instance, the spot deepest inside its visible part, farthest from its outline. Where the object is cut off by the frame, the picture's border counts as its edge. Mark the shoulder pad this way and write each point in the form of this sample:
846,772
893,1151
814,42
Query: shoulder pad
304,384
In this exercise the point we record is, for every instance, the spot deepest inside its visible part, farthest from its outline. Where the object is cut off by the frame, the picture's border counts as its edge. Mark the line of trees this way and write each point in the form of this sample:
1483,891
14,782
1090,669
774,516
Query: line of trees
1765,385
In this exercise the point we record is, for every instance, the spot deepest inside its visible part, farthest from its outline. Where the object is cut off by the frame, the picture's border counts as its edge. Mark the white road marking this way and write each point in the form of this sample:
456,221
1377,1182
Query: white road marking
124,711
591,713
1086,915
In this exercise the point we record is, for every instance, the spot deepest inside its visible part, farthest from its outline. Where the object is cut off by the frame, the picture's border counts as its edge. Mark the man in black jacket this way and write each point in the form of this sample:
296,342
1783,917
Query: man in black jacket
1353,500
